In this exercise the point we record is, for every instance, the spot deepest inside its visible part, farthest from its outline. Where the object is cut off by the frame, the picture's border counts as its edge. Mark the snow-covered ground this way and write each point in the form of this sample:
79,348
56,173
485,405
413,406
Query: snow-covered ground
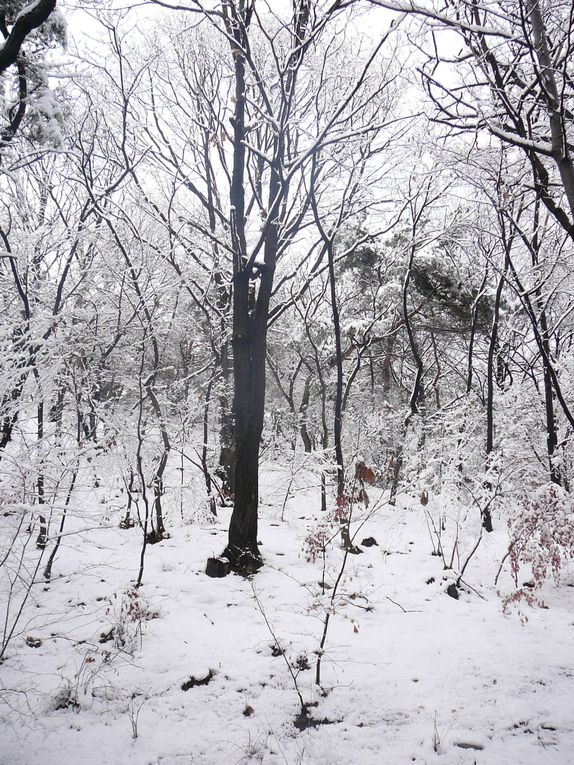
408,673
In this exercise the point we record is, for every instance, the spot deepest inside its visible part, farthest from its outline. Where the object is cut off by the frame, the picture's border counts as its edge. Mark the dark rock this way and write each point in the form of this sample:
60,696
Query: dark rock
217,568
370,542
303,720
243,562
66,699
194,681
452,591
469,745
154,536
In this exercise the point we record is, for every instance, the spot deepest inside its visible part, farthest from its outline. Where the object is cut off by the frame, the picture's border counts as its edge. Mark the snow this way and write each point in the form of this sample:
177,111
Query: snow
409,674
429,11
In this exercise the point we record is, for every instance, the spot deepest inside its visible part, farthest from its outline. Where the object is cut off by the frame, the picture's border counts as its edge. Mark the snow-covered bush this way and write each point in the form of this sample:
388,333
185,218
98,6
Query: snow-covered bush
542,537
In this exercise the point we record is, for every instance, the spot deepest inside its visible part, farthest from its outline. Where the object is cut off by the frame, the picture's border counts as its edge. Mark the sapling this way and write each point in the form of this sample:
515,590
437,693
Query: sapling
50,563
20,567
328,613
303,706
204,466
436,738
484,504
317,544
135,705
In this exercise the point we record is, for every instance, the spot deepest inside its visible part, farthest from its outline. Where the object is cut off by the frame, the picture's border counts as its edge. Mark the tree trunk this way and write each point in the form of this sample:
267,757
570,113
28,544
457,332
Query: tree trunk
305,437
560,149
249,354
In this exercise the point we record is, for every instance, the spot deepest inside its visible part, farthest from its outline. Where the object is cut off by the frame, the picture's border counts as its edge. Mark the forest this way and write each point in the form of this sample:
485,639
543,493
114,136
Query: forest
286,382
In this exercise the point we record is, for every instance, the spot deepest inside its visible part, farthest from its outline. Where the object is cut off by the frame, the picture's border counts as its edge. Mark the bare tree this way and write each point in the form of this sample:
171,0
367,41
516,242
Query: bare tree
513,80
275,134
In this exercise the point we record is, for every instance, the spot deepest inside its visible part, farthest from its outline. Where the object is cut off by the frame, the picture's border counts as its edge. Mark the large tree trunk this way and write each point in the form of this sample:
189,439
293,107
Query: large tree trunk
248,409
249,355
